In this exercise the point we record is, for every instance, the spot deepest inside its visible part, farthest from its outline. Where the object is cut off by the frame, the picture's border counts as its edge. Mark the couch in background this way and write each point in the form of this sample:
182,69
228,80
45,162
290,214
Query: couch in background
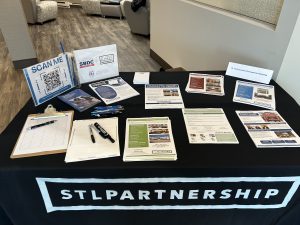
139,21
37,11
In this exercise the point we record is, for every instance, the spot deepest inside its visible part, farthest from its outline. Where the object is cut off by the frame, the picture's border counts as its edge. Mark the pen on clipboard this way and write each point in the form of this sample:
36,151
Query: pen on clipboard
41,125
91,133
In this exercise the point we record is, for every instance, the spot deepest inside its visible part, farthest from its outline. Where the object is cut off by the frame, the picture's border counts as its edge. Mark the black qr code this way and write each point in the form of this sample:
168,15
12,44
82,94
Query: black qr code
52,80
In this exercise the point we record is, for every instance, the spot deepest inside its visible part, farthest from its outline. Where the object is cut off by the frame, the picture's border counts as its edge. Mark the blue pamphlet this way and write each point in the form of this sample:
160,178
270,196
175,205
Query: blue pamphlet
79,100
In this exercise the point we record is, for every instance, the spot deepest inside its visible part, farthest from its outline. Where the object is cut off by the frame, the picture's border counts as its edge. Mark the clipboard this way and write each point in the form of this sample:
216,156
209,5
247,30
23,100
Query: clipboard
44,140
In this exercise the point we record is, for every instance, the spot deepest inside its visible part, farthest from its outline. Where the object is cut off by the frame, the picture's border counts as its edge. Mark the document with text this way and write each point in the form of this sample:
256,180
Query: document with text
268,129
206,84
113,90
149,139
163,96
208,126
255,94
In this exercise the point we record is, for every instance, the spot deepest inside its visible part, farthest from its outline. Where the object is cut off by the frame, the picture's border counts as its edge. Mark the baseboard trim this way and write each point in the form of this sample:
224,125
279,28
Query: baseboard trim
159,60
20,64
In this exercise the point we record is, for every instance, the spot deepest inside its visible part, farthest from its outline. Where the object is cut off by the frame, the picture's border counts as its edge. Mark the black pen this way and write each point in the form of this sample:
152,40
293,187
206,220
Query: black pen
103,132
91,133
41,124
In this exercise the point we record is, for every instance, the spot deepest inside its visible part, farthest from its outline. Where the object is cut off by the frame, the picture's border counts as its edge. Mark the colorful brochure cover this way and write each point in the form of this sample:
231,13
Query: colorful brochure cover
113,90
268,129
79,100
261,95
206,84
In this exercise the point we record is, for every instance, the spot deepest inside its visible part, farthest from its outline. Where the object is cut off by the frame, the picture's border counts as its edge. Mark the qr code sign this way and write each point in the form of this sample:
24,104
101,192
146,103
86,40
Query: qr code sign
52,80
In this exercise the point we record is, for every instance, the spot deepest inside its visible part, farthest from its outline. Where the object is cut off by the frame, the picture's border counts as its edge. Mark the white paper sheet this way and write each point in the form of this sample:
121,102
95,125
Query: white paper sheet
141,78
208,126
46,138
82,148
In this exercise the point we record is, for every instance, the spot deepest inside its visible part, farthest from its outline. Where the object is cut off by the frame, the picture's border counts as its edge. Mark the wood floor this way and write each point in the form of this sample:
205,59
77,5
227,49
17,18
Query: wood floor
77,31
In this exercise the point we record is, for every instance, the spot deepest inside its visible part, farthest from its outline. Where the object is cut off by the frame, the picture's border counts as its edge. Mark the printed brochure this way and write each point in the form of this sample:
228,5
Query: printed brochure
268,129
149,139
206,84
113,90
163,96
79,100
255,94
208,126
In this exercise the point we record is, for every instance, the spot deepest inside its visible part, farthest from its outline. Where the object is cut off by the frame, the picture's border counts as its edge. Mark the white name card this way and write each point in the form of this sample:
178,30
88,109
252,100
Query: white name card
249,73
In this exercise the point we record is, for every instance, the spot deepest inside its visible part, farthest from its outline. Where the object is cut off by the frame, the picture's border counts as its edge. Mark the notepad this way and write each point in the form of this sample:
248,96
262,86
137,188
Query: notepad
44,140
82,148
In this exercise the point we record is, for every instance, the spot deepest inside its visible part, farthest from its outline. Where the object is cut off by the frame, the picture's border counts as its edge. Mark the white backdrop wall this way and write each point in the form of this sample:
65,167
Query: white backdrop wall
289,74
199,37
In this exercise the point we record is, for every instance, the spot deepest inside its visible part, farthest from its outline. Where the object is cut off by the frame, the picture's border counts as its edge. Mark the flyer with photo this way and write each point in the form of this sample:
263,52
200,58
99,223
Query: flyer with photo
149,139
268,129
96,63
49,79
79,100
208,126
255,94
113,90
163,96
205,84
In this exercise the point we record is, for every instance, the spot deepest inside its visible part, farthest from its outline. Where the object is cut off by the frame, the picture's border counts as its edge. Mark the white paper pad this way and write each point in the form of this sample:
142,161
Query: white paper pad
82,148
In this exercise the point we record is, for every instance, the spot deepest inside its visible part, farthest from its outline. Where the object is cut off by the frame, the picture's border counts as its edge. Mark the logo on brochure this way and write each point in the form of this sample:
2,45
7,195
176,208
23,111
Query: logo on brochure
106,59
87,63
62,194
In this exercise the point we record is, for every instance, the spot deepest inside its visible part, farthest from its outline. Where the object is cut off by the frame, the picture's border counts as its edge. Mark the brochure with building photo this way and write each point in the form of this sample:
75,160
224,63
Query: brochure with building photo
255,94
163,96
205,84
149,139
268,129
79,100
113,90
208,126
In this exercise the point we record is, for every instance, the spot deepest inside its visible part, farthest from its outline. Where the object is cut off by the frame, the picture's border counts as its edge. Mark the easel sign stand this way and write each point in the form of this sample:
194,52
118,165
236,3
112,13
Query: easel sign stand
44,134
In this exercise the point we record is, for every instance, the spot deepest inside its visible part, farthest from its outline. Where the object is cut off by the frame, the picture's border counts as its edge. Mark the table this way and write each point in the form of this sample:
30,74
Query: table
199,171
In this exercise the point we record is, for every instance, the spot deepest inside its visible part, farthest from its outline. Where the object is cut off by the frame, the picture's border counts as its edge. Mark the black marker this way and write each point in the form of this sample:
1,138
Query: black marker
103,132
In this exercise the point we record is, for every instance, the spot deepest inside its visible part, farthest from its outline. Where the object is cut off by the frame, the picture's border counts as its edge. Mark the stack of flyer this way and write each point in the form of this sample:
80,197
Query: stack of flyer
149,139
205,84
261,95
268,129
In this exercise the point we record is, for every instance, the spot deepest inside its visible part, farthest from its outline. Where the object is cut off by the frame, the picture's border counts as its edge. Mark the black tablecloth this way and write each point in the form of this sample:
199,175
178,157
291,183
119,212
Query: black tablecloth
21,201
